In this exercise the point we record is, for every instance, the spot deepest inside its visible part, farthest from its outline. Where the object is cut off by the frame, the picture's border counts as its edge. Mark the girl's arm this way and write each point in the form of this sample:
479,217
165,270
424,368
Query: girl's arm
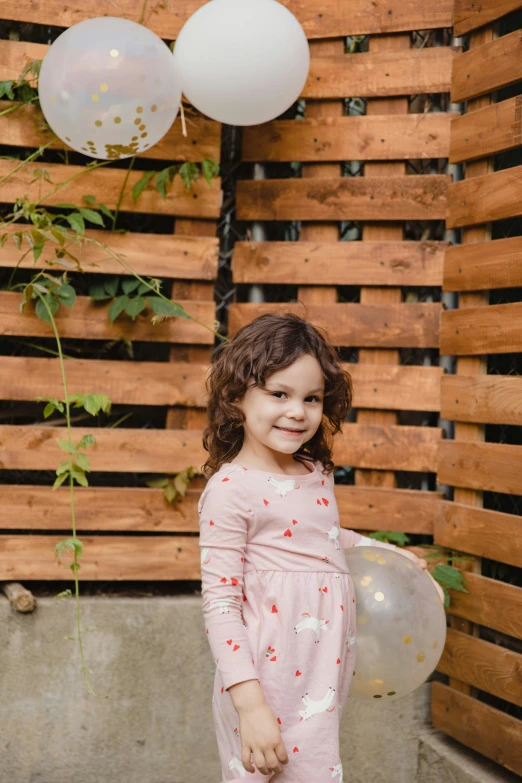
225,513
349,538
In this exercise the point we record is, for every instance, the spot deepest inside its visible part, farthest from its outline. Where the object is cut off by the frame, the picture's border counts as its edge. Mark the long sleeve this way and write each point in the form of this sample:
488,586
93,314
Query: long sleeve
349,538
224,514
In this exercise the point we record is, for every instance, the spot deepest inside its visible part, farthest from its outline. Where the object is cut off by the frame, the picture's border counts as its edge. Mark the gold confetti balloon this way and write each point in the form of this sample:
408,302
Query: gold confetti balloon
103,77
401,623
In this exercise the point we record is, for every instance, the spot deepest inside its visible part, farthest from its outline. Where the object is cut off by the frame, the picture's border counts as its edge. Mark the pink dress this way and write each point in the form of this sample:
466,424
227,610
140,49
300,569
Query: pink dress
279,607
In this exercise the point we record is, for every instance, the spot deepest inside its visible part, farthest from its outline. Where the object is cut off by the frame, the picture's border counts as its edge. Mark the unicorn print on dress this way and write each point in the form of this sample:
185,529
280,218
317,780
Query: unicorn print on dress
333,535
337,771
283,487
316,707
236,764
205,556
313,623
351,639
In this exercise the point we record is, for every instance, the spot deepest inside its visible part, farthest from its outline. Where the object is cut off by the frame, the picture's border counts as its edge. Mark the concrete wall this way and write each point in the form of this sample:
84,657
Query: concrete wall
151,657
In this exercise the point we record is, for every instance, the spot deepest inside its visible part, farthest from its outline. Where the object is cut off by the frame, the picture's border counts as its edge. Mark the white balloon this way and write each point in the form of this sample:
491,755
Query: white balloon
401,623
242,62
109,87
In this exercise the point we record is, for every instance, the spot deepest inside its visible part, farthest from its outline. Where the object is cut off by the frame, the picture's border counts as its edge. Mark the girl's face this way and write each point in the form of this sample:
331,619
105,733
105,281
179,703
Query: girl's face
293,400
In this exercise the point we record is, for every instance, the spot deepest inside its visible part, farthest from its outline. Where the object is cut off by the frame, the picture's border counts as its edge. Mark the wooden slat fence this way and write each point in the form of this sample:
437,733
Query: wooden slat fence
392,328
472,398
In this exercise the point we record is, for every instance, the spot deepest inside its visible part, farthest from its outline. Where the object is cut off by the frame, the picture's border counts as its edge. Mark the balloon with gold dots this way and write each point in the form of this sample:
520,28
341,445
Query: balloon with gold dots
103,77
401,624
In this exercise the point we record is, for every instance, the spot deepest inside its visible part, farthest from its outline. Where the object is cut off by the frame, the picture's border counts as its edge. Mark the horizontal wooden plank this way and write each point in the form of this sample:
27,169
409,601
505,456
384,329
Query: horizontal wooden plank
482,399
144,510
175,383
493,196
339,263
489,731
495,604
480,266
337,76
482,330
25,127
414,197
201,201
487,67
495,467
335,19
128,510
379,508
125,383
484,665
395,387
388,447
34,447
358,325
371,137
156,255
480,532
104,557
468,15
381,74
486,131
90,320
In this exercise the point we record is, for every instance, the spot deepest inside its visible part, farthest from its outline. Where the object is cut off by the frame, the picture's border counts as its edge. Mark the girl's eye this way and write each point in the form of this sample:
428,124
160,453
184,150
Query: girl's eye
312,397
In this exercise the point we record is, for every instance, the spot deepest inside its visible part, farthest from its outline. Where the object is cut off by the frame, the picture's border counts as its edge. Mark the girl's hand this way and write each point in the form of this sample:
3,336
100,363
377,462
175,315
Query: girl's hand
260,735
423,564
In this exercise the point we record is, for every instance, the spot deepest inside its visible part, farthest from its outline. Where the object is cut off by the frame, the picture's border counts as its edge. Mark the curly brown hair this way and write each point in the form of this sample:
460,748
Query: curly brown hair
269,343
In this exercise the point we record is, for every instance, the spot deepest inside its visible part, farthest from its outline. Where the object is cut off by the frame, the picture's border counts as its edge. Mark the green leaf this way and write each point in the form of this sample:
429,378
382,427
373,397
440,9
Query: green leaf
37,252
391,537
129,285
93,403
135,306
67,295
41,311
76,222
6,88
69,544
450,577
67,446
97,292
92,216
87,440
162,181
164,307
89,199
144,288
106,211
66,206
181,484
82,461
59,481
17,238
58,234
63,467
117,307
141,184
79,476
188,172
64,594
169,493
111,285
210,169
49,410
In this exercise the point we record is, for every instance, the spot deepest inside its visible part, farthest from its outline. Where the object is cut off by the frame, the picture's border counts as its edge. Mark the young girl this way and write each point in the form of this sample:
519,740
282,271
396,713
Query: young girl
278,599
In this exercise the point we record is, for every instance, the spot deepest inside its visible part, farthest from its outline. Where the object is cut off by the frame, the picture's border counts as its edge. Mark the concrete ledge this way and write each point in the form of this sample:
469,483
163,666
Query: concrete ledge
151,656
443,760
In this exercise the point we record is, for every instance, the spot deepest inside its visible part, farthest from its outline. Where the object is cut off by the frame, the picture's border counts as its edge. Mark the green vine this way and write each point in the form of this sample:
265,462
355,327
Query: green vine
63,232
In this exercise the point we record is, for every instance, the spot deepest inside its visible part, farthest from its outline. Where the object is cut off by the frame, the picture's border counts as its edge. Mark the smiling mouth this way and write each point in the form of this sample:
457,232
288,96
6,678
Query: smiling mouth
287,429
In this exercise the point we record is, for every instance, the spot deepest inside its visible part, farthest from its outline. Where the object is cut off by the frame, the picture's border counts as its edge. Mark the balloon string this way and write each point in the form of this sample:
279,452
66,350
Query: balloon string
182,113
